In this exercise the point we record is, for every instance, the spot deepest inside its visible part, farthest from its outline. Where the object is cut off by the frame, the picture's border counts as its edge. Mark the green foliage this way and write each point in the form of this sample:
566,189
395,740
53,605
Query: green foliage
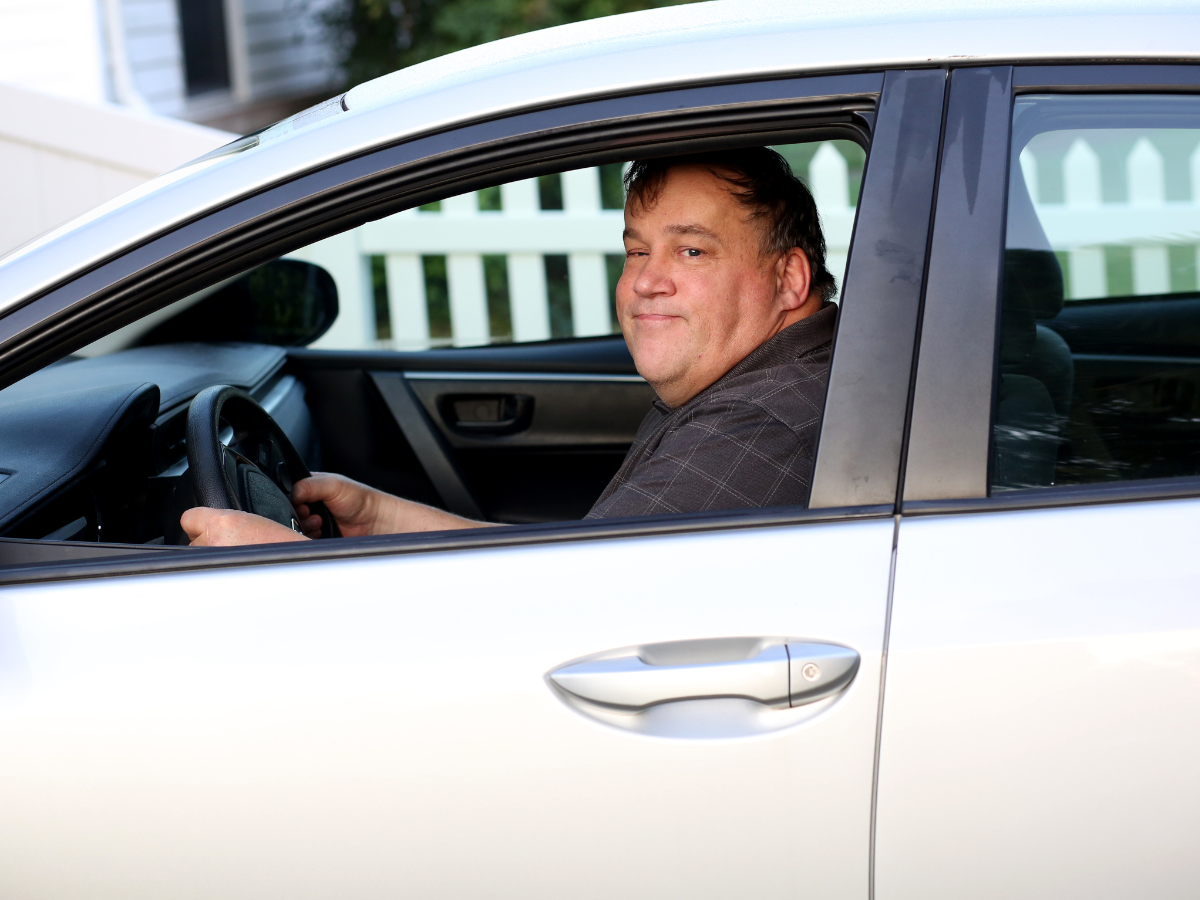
550,192
383,316
375,37
612,187
495,276
490,199
558,293
437,299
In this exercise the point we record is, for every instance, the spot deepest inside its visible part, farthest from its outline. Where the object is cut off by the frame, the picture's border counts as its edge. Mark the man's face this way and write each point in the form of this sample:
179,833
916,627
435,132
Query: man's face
697,294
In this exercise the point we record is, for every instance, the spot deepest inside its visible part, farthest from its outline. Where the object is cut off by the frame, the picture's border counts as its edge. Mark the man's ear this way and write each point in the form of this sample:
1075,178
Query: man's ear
793,279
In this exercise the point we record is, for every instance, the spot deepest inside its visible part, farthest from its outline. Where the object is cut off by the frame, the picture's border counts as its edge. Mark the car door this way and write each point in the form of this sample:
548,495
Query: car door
682,705
1044,657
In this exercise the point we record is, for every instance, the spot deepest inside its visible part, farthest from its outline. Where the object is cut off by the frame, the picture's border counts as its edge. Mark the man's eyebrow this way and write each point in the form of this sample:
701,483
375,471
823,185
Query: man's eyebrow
696,230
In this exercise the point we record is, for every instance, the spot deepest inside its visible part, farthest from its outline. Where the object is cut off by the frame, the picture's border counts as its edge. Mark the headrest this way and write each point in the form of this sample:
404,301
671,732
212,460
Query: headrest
1033,289
1032,275
1036,274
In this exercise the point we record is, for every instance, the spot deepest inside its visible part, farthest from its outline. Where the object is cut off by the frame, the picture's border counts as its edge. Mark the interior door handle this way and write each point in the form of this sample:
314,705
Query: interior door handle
774,672
486,414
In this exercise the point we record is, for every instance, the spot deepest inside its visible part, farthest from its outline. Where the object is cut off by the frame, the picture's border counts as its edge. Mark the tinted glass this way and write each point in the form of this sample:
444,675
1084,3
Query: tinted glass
1099,368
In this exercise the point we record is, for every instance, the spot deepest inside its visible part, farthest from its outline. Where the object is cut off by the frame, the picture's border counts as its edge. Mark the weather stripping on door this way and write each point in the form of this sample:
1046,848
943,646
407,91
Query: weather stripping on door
718,687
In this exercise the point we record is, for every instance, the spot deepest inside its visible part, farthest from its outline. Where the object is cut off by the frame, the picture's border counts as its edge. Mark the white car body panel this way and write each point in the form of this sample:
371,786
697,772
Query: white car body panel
675,46
1042,685
383,728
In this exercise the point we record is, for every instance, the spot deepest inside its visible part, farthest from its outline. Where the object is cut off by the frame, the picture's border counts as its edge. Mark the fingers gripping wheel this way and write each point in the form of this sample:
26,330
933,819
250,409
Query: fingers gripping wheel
257,469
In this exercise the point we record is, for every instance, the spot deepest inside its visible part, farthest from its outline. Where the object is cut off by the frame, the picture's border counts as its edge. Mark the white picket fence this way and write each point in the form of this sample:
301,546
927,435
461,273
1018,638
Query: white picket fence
1082,225
1145,221
523,233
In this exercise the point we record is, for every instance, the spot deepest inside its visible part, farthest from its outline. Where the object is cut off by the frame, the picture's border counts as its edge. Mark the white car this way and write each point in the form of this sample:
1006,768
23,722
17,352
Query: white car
970,667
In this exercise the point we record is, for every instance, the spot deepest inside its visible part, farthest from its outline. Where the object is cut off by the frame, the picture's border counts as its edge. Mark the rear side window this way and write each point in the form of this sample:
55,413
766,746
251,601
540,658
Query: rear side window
1099,362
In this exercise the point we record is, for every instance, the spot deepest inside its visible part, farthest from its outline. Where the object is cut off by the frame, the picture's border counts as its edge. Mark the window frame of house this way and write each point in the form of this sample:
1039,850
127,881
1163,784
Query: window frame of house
204,44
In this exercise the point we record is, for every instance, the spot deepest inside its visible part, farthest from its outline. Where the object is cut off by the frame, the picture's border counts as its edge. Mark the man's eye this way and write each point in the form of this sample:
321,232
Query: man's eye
693,253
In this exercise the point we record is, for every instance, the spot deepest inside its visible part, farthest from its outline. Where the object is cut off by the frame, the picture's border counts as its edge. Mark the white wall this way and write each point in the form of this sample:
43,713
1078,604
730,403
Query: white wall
62,157
54,46
276,48
287,52
73,48
155,53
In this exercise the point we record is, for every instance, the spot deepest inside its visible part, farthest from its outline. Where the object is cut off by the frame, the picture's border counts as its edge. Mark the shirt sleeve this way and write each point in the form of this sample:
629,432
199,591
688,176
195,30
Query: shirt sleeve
735,455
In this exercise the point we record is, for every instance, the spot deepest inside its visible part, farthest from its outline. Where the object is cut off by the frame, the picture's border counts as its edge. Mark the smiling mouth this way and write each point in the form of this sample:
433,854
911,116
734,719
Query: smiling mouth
655,317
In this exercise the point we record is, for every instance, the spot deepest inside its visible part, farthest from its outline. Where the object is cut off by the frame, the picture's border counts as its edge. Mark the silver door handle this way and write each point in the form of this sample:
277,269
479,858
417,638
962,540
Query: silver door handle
781,674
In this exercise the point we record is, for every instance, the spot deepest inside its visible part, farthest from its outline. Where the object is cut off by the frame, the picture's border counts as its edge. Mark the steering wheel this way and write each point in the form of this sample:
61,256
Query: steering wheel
253,471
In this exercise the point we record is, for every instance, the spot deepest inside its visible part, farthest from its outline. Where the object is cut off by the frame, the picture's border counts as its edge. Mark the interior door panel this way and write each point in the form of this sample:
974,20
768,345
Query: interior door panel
567,410
516,433
562,449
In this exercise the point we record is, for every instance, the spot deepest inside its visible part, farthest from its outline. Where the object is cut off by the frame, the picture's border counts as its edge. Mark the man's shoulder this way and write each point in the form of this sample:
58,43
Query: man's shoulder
748,440
810,369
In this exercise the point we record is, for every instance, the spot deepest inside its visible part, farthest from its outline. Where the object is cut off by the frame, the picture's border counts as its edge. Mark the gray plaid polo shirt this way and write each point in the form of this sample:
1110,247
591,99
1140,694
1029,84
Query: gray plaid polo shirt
747,440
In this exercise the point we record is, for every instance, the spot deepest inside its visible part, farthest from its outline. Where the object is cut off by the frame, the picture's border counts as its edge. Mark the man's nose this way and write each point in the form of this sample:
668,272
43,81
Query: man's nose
653,278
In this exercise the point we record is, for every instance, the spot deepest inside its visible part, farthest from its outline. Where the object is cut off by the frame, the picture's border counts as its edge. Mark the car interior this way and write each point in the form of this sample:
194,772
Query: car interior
112,443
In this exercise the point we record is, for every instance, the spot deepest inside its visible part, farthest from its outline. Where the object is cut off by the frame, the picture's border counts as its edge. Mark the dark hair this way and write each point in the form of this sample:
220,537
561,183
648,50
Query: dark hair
761,181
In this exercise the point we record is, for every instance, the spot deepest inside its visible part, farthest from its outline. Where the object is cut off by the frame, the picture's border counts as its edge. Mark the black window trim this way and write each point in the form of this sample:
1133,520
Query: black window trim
1107,78
89,297
950,419
863,430
921,498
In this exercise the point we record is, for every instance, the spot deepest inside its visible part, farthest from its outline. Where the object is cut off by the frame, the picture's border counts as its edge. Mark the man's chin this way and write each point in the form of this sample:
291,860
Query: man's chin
661,335
658,370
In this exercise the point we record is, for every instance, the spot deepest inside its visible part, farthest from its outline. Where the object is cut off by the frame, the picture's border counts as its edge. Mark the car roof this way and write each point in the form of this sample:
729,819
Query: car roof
658,48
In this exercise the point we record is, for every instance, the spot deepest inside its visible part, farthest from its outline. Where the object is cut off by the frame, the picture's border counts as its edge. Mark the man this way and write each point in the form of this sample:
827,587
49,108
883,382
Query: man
724,303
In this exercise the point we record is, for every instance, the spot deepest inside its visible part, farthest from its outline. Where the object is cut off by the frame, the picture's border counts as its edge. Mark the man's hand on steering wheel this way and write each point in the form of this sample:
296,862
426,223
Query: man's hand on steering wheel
357,509
354,507
207,527
360,510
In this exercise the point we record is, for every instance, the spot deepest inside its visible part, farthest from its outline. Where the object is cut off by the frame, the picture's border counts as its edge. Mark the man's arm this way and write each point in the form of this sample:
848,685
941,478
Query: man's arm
733,455
358,510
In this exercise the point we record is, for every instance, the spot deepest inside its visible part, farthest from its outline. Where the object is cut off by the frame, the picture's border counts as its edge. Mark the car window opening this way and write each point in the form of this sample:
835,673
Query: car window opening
355,346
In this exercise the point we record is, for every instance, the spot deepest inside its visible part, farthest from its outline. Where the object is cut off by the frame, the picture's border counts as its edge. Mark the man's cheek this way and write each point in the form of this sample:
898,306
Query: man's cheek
625,321
624,294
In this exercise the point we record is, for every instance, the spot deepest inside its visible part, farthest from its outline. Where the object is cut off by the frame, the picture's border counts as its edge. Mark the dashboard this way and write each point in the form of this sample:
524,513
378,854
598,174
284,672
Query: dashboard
91,448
